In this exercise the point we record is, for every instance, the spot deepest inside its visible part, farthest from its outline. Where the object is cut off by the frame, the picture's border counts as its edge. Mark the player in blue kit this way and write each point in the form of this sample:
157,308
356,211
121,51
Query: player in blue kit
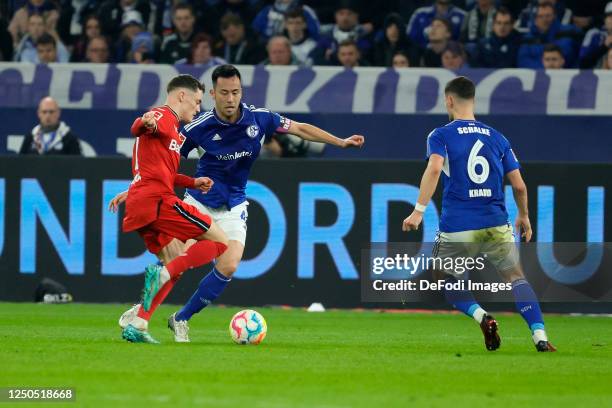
229,139
473,159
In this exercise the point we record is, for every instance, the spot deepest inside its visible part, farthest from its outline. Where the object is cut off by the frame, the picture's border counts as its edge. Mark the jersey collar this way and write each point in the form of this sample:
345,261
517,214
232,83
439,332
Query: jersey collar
221,121
173,112
462,120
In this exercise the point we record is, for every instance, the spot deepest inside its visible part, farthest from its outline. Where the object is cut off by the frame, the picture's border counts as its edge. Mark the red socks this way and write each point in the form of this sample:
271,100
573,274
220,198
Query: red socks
200,253
157,300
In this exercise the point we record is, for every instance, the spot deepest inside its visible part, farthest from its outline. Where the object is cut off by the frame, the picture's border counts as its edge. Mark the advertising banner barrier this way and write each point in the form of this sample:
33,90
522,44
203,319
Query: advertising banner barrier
309,224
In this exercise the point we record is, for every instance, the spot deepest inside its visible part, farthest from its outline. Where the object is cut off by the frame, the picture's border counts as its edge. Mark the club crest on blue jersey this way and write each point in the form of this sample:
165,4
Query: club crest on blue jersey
253,131
226,155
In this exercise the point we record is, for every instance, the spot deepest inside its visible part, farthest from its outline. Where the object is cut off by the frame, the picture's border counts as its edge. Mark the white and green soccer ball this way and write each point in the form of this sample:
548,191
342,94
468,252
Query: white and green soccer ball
248,327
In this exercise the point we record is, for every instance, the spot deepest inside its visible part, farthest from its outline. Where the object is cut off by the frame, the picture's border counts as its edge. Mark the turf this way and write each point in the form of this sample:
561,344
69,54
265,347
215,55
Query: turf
331,359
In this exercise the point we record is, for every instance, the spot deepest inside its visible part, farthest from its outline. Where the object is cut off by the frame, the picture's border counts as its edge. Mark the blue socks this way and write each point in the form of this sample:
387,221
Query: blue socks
209,289
464,301
527,305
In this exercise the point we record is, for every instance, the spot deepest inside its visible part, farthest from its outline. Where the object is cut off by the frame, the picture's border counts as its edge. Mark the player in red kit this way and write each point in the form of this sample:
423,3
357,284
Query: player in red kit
153,209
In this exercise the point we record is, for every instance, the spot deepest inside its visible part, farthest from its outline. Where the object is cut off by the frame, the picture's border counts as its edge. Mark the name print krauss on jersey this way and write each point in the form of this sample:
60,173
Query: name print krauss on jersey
476,159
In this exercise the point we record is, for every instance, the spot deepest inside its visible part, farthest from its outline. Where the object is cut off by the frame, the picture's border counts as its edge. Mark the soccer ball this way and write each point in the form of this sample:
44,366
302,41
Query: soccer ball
248,327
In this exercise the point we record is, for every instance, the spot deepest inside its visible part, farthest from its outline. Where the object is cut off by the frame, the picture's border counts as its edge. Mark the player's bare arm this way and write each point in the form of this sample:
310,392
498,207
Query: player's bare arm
314,134
429,182
115,203
522,224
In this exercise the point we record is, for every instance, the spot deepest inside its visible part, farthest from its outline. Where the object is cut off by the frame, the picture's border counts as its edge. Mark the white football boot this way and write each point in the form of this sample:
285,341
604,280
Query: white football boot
180,328
128,316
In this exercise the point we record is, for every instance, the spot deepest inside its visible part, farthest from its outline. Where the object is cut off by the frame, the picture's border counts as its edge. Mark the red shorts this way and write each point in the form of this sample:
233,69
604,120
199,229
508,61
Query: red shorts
175,219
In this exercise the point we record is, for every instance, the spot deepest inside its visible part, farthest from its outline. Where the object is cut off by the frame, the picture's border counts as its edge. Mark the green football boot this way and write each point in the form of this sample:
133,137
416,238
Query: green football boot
133,335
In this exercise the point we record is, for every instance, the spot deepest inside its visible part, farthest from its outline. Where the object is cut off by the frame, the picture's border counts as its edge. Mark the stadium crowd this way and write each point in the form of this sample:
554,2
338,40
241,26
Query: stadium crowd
349,33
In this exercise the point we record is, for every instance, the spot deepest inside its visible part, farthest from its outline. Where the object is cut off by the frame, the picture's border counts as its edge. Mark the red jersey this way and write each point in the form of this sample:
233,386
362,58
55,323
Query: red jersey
155,162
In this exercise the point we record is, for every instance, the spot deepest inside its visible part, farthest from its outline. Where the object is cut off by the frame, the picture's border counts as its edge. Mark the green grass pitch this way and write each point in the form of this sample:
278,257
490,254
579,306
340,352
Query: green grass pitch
331,359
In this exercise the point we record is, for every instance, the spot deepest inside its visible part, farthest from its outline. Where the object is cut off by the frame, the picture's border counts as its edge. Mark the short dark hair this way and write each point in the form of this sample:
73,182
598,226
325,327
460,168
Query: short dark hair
297,12
444,21
455,48
225,71
46,39
230,19
504,11
461,86
552,48
403,54
185,81
183,6
348,43
546,4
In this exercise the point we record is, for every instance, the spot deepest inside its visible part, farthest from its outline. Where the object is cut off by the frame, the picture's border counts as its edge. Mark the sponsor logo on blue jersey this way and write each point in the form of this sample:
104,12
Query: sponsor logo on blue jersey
229,150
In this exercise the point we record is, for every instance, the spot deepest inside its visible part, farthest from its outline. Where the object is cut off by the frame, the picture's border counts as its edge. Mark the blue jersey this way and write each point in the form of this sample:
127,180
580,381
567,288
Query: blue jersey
476,159
230,149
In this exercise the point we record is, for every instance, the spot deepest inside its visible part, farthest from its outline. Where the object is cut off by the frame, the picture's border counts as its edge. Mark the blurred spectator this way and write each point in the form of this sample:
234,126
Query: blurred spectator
552,58
301,44
597,42
279,52
514,6
400,60
212,15
270,20
421,20
439,36
394,39
111,14
131,26
26,50
177,45
46,49
347,27
288,145
92,30
235,47
526,18
545,30
50,136
454,56
374,13
500,50
20,21
607,60
6,41
586,14
73,19
325,10
478,23
97,51
143,48
201,53
349,55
